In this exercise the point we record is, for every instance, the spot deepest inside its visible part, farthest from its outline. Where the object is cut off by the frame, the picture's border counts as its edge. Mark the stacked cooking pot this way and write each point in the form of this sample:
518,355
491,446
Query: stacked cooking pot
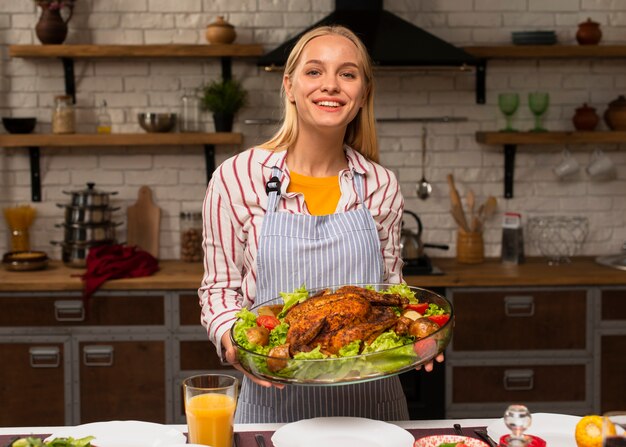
88,223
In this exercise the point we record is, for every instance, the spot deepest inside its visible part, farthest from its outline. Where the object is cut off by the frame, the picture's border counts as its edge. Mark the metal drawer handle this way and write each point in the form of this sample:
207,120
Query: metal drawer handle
519,306
98,355
45,357
69,310
519,379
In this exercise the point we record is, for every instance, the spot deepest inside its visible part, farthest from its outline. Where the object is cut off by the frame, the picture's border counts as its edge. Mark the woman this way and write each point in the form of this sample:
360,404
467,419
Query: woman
309,207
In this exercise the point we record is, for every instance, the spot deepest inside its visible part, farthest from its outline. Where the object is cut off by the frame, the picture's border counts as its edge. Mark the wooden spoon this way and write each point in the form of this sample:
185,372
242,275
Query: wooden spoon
457,207
471,203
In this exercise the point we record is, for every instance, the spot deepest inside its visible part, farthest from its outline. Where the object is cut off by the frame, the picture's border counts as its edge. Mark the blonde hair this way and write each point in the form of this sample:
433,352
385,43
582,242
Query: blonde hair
361,131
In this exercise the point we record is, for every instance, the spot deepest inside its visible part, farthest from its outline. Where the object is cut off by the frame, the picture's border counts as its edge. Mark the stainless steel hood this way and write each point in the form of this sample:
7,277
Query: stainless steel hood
391,41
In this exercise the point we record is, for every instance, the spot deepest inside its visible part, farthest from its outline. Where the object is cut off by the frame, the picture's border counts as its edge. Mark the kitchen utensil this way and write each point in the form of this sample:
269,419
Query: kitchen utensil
457,207
143,222
87,214
470,198
457,429
20,261
600,165
79,232
260,440
353,369
19,219
74,254
508,104
558,237
156,122
615,261
424,188
411,244
487,210
90,196
615,114
470,247
482,434
19,125
568,165
589,33
585,118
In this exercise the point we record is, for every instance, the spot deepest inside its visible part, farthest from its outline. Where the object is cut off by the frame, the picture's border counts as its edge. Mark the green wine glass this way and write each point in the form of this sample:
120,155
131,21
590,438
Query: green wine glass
538,103
508,104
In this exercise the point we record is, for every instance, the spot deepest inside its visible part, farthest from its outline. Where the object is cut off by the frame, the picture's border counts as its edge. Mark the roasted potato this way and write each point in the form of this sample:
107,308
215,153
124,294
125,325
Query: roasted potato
422,327
258,335
274,362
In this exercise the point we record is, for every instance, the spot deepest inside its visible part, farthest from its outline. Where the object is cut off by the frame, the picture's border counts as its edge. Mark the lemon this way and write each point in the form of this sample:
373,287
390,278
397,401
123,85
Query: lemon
589,431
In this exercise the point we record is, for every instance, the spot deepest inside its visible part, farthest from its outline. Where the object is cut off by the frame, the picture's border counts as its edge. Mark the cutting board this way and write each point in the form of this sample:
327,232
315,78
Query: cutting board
144,222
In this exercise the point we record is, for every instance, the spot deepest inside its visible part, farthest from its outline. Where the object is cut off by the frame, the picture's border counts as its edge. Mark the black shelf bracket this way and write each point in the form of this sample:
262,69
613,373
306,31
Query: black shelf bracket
209,160
481,81
70,81
227,68
35,174
509,169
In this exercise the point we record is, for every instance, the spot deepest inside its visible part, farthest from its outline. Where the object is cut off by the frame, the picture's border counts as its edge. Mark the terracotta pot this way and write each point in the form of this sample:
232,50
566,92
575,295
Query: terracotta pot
589,33
51,29
220,31
615,115
585,118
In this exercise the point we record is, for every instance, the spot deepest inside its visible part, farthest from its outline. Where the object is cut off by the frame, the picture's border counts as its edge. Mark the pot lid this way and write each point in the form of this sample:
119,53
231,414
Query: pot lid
89,191
619,102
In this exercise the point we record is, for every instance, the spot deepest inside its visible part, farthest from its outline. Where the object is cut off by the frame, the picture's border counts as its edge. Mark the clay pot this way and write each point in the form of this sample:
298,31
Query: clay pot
585,118
615,115
220,31
588,33
51,29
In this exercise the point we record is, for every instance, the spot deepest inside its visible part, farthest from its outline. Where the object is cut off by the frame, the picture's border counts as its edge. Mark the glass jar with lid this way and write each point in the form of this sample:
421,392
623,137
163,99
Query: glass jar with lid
191,237
190,111
63,115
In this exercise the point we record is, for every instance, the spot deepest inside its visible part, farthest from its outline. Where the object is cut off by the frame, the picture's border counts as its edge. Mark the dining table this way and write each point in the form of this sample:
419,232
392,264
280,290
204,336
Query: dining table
245,433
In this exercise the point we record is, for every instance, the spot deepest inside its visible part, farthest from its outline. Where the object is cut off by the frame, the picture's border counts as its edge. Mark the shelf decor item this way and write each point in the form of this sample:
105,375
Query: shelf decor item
223,98
508,104
220,31
51,28
585,118
589,33
538,103
615,114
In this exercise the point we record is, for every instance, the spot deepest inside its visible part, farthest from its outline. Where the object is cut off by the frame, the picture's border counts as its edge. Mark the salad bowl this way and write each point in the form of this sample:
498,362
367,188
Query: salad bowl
387,355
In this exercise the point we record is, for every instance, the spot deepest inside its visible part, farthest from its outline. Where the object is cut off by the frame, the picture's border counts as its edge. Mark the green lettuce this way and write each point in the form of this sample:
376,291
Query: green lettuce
292,298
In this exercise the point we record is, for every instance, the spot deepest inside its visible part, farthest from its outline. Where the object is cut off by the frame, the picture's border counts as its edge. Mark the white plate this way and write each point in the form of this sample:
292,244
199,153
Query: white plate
341,432
556,429
124,433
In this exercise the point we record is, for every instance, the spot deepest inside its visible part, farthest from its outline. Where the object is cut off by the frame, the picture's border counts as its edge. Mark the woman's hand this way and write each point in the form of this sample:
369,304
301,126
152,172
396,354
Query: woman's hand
231,357
428,367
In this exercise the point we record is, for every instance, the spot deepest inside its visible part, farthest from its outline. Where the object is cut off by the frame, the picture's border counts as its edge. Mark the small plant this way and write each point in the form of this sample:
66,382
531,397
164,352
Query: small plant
224,97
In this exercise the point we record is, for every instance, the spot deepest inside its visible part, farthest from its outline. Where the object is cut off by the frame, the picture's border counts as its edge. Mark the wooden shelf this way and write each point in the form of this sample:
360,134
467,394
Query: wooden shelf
131,139
135,51
532,138
547,51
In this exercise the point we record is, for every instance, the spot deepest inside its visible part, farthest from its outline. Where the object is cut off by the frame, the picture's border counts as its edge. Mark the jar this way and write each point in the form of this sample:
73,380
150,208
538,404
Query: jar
588,33
63,116
615,115
190,111
220,31
585,118
191,237
470,248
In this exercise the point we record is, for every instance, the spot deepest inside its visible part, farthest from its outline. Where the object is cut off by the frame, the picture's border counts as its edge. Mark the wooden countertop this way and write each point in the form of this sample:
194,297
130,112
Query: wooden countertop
177,275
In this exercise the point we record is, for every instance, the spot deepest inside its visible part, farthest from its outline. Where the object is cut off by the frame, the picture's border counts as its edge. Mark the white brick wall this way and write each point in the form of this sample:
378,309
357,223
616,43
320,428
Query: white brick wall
177,175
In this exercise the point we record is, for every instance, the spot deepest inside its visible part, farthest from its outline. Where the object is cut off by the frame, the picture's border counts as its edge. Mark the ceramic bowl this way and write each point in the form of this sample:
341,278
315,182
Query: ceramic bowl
19,125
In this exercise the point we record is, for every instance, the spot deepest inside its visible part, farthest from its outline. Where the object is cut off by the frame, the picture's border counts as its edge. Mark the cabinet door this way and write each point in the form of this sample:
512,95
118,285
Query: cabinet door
613,372
122,380
189,310
520,320
32,383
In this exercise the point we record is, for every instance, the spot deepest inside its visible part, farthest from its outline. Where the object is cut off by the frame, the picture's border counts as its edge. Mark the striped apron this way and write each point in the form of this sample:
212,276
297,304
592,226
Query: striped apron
318,251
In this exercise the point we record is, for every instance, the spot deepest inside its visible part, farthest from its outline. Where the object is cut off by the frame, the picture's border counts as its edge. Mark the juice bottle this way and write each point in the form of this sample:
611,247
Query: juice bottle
210,419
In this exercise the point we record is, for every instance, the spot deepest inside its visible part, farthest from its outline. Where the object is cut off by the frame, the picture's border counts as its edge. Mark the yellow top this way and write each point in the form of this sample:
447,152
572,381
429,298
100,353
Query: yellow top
321,194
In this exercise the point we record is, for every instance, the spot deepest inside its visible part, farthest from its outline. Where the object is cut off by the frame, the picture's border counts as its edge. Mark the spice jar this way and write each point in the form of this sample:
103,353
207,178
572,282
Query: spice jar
63,117
191,237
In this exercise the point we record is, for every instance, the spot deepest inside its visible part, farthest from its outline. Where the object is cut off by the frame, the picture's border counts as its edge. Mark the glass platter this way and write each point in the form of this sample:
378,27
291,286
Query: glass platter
353,369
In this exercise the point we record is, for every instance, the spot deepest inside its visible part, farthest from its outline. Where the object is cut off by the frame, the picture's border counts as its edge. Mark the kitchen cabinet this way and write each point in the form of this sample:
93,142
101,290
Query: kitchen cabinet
68,53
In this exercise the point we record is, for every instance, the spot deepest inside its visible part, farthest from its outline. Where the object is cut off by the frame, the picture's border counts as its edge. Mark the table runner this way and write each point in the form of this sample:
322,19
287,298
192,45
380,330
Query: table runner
246,438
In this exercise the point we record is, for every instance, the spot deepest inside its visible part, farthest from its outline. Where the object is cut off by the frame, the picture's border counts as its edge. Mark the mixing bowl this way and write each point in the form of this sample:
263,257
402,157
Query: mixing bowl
19,125
157,122
334,370
558,237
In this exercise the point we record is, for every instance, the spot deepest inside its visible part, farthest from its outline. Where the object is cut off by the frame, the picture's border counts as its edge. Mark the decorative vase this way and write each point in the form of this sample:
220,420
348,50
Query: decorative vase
220,31
615,115
223,122
585,118
51,28
588,33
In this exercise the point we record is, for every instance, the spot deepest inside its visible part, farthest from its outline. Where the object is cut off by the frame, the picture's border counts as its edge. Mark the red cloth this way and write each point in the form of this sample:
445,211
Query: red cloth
106,262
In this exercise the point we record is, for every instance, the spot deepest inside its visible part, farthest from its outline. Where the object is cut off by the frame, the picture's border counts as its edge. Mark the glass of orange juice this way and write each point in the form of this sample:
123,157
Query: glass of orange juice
210,401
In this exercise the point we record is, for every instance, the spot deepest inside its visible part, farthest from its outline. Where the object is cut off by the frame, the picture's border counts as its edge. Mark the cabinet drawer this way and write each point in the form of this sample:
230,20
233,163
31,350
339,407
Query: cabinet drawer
32,384
614,305
528,383
189,310
19,311
198,355
520,320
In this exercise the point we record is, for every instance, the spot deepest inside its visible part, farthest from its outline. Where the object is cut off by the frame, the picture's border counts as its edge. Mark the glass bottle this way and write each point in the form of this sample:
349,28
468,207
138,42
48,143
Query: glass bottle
191,237
63,115
518,419
190,111
103,119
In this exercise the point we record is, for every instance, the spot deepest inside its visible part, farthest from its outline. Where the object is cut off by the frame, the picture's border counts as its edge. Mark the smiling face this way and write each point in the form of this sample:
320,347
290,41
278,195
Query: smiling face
327,85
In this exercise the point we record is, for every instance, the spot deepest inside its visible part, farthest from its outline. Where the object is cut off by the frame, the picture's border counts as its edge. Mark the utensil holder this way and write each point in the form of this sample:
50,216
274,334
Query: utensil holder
470,248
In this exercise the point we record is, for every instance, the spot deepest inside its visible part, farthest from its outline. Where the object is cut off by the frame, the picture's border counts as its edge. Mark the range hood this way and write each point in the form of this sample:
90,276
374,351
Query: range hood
391,41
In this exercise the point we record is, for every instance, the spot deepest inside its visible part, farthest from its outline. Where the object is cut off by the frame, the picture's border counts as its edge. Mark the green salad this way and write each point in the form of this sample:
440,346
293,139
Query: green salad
388,353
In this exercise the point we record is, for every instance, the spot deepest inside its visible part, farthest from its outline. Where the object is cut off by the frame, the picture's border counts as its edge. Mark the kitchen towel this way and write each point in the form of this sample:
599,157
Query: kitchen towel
114,261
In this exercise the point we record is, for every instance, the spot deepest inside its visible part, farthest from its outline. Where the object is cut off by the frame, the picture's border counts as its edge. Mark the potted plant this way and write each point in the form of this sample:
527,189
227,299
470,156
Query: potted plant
223,98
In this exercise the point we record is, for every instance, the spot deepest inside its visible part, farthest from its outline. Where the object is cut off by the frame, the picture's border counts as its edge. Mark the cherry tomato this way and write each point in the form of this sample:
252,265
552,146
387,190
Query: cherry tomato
419,307
269,322
439,319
